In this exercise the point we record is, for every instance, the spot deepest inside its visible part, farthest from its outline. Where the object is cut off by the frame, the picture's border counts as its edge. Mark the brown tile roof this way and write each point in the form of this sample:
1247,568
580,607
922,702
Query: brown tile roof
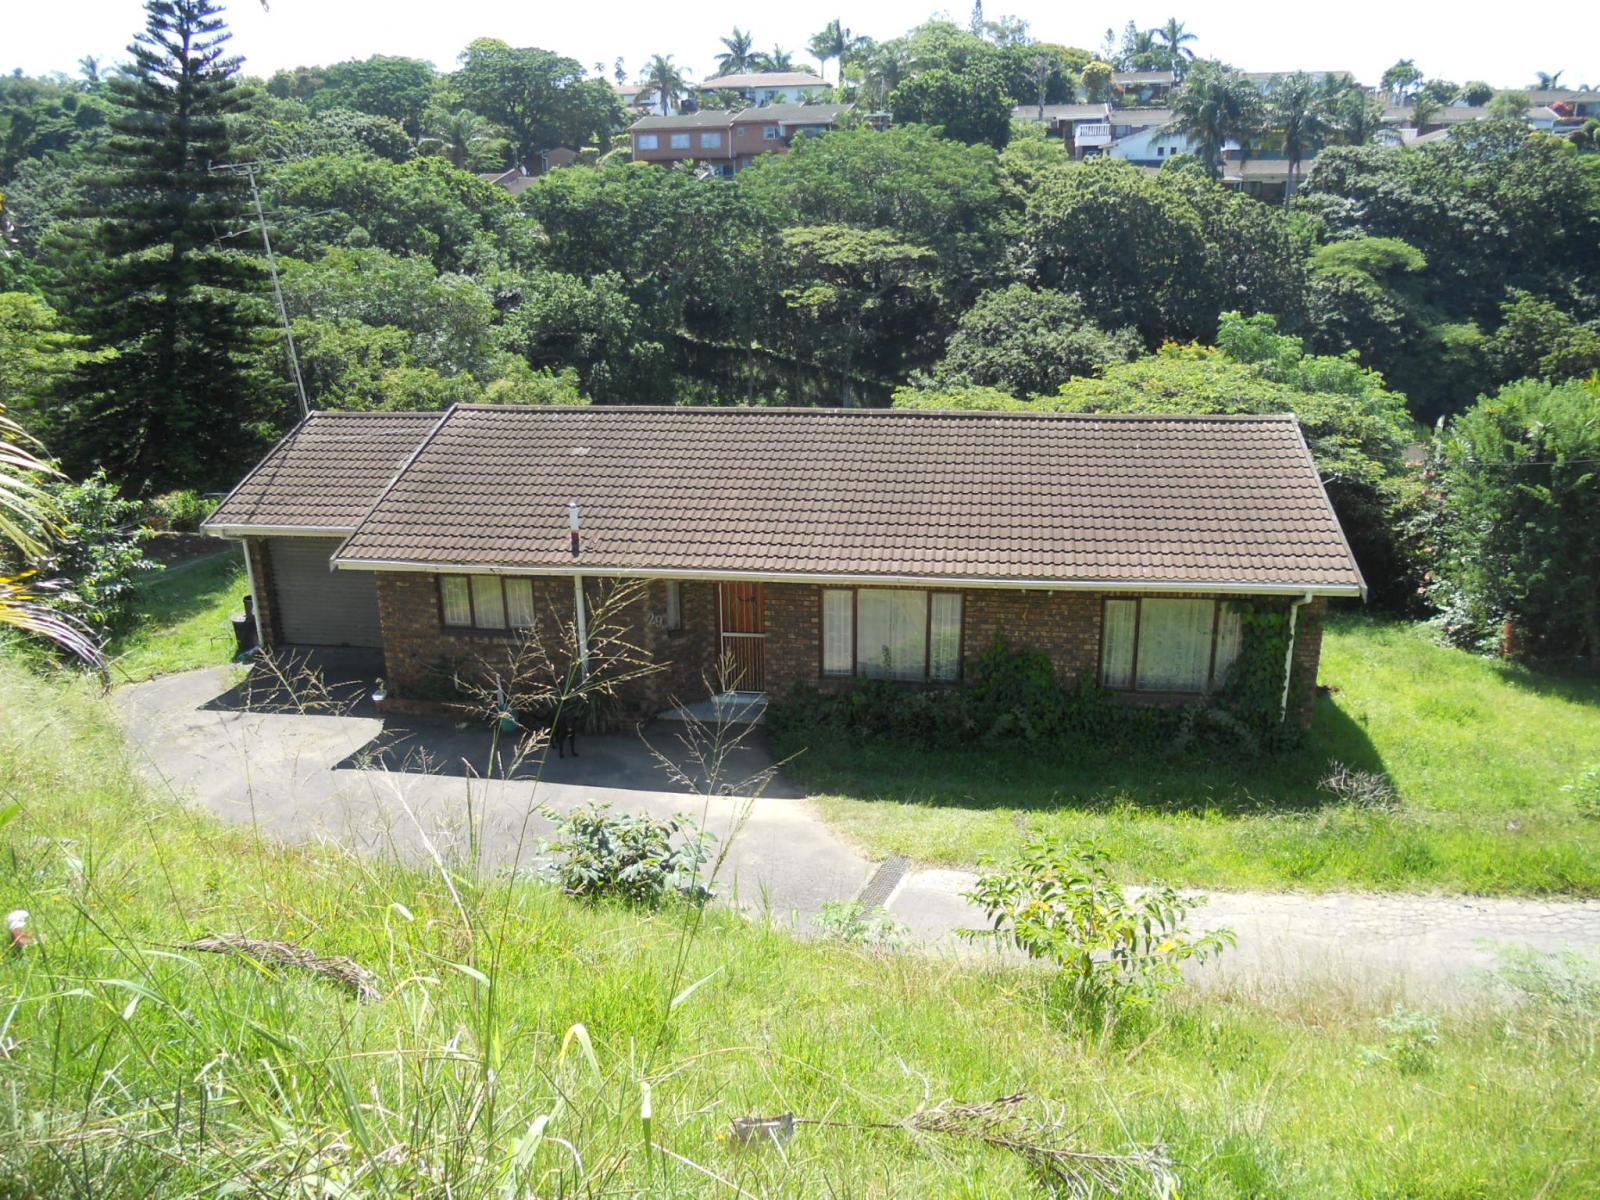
325,474
1175,501
793,114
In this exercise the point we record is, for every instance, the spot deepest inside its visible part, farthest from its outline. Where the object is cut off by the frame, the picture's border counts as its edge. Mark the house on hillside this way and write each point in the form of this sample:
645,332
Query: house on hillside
1085,129
727,142
807,547
770,87
1143,87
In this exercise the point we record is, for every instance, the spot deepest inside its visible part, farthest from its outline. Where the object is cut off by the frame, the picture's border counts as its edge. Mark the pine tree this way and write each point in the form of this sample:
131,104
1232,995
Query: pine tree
172,291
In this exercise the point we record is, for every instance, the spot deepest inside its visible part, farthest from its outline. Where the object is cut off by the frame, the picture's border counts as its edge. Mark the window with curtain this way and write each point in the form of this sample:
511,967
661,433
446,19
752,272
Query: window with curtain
485,602
1167,644
892,633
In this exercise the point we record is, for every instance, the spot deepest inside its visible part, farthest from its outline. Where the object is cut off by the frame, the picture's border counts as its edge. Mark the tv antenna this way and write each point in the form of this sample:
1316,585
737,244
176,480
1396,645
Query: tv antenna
248,170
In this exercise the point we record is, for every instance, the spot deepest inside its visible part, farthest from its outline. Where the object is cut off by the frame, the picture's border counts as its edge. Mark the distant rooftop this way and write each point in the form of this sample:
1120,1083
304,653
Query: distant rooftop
759,79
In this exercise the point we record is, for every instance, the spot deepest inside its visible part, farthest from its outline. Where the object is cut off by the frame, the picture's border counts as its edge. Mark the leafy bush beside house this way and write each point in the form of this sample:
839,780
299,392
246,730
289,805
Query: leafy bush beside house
1514,494
96,555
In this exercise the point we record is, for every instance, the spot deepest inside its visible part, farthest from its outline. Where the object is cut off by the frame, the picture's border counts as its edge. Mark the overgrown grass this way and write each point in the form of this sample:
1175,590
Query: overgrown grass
134,1068
1478,752
183,622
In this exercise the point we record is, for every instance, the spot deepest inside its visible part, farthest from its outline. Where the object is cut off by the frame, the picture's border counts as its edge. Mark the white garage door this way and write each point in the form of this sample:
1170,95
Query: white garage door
318,606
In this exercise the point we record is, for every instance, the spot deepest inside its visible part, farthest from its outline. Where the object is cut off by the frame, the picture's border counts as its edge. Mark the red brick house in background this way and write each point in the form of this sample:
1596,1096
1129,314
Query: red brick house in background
813,546
729,141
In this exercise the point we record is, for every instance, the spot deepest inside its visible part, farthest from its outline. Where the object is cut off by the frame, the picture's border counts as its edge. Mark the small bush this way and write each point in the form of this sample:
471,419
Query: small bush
97,559
1567,980
178,512
1059,903
638,858
853,922
1360,789
1412,1038
1586,793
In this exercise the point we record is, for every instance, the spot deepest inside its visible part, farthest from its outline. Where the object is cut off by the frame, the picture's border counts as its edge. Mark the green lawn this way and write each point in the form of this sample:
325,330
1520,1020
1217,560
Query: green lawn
184,619
1478,752
132,1067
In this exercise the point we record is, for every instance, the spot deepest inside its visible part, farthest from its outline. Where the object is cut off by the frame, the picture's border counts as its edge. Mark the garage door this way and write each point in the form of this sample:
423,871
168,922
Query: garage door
317,606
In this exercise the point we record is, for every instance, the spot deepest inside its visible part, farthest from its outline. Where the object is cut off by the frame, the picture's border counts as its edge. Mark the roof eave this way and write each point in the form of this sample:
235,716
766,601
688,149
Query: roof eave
602,570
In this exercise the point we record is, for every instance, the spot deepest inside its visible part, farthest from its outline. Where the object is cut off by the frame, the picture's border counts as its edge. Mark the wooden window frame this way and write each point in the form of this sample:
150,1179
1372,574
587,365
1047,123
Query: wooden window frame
1133,688
504,631
854,672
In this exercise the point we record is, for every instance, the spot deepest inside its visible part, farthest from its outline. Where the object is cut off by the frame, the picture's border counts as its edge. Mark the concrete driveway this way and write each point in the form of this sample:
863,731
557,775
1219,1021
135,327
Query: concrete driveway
336,770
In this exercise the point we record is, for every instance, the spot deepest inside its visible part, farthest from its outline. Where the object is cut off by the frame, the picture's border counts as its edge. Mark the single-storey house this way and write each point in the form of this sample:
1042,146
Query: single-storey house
808,546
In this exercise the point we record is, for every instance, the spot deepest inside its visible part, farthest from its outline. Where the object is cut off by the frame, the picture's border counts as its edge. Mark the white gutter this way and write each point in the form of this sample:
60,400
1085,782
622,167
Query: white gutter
1288,655
583,626
243,531
1198,586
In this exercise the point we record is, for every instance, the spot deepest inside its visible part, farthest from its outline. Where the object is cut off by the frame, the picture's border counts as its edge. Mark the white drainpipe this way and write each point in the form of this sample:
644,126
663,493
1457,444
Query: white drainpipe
578,605
255,597
1288,655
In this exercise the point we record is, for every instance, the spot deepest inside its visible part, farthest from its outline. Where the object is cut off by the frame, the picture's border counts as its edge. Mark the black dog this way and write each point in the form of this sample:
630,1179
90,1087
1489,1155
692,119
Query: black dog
562,724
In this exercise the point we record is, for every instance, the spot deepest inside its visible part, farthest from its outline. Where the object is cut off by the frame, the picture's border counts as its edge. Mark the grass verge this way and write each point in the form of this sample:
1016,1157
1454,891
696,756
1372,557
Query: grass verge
1478,753
183,619
131,1067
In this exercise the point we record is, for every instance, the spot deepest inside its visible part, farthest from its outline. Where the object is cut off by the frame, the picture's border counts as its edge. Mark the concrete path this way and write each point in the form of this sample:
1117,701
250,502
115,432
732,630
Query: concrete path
410,787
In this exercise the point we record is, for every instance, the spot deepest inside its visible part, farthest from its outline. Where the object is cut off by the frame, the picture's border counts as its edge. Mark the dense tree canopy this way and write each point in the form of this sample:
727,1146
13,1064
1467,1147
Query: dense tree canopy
1025,341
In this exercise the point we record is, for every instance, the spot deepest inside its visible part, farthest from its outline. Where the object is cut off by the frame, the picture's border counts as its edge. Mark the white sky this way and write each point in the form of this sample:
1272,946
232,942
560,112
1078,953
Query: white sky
1504,44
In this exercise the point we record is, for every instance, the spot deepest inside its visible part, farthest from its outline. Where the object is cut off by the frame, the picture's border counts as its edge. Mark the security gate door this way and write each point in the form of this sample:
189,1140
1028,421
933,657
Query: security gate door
743,614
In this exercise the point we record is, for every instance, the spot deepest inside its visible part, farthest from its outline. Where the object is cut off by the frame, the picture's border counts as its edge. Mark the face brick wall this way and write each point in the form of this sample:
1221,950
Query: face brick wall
1065,626
266,610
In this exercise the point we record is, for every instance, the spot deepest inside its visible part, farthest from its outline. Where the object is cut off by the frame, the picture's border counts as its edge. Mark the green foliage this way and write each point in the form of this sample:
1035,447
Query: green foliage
1538,337
1412,1038
179,512
37,355
179,403
1057,902
852,922
1216,105
1378,258
543,100
637,858
968,106
96,555
1586,792
423,207
384,86
591,327
1023,341
1517,556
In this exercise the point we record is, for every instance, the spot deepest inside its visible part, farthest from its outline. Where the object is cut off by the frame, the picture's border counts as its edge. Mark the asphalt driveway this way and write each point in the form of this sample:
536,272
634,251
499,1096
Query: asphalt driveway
334,769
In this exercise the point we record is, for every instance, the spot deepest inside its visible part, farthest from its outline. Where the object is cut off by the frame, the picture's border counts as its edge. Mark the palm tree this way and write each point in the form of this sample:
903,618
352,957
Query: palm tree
738,55
1298,111
1548,82
1401,80
665,80
884,67
27,521
89,68
1424,108
1216,106
776,59
455,138
1357,116
1173,37
835,41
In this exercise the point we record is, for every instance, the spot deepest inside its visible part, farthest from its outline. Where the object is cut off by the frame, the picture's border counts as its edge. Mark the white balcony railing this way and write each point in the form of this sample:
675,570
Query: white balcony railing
1092,135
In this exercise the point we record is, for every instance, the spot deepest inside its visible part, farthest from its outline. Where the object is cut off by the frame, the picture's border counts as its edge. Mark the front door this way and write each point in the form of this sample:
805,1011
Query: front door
743,613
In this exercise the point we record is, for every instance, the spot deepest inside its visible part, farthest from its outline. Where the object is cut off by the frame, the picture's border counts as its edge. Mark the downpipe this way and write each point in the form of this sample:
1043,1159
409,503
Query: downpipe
1288,655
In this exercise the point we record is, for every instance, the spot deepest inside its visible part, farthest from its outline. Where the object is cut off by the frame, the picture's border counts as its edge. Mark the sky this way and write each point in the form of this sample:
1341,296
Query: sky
1503,44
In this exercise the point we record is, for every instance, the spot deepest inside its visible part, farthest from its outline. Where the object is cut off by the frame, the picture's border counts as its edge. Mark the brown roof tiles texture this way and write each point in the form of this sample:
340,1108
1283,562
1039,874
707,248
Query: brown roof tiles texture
1229,501
326,473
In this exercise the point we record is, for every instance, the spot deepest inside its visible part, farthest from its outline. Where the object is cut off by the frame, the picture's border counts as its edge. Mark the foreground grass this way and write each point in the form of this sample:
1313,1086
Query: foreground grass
183,623
1478,752
132,1067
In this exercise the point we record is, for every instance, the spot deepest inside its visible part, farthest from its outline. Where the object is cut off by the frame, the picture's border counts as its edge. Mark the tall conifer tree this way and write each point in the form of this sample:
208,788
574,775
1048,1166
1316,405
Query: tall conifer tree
173,291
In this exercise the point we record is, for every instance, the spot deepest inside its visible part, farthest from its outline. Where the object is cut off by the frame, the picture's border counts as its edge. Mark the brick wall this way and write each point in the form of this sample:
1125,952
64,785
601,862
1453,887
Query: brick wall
261,570
418,647
1065,626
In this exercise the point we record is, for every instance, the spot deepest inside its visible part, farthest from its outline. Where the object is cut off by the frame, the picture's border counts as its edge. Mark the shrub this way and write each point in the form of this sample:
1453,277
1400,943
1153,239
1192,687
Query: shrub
1586,793
1058,902
638,858
97,557
1412,1037
178,512
854,922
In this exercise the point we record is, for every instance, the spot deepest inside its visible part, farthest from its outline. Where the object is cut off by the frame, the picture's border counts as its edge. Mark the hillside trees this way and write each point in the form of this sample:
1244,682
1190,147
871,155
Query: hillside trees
1517,553
1024,341
541,99
179,403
